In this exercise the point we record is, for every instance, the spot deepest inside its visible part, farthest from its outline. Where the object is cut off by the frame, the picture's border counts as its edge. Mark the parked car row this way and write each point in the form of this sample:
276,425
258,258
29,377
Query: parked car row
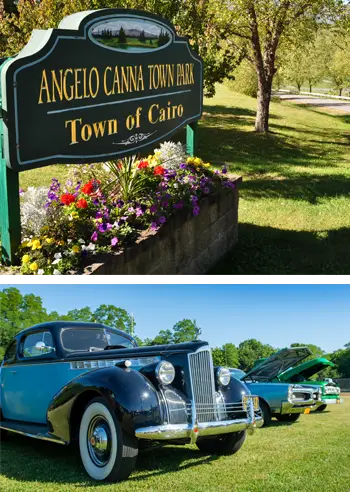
89,384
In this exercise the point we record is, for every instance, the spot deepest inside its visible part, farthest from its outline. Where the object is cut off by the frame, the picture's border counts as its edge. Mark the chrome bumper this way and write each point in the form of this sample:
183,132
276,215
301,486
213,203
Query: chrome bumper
192,431
299,407
330,401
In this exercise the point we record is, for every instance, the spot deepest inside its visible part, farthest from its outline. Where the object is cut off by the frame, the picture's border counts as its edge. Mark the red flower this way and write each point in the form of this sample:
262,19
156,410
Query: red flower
88,188
67,198
159,170
82,203
143,164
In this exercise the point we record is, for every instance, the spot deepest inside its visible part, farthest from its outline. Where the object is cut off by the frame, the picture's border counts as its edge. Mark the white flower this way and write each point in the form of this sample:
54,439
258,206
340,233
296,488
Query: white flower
69,241
56,272
171,154
34,215
89,247
81,241
40,272
57,256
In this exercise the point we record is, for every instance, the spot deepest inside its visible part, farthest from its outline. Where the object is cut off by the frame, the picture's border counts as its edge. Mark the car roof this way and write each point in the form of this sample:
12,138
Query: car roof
57,326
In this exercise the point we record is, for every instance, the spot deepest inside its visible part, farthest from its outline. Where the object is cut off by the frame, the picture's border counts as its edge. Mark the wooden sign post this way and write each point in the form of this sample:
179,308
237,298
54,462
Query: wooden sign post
104,85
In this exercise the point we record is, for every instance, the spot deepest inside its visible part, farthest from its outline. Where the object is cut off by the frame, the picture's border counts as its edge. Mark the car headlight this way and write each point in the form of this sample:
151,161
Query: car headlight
165,372
223,376
290,393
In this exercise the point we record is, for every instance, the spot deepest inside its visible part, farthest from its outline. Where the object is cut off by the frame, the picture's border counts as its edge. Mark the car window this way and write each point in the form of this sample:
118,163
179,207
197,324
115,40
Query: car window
92,339
38,344
10,354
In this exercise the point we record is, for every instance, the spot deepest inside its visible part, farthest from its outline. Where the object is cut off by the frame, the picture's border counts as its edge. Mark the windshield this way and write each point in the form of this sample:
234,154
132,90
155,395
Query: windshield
237,373
92,339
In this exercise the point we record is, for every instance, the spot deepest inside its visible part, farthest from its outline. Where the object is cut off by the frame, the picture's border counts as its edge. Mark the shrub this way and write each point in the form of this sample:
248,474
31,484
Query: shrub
245,80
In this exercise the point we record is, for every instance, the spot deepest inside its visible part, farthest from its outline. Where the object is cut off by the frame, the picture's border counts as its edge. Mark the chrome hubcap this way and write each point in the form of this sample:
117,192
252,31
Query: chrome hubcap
99,441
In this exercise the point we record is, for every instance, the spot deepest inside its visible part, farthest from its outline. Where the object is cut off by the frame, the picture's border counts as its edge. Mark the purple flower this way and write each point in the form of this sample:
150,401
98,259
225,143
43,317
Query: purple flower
216,171
131,209
105,227
94,236
96,201
139,212
224,170
153,208
114,241
21,191
78,186
194,199
183,166
99,215
206,190
162,220
52,196
69,182
120,203
178,205
121,222
165,204
196,210
154,226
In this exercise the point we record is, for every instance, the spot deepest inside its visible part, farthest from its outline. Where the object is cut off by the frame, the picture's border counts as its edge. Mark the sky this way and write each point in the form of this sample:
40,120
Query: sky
275,314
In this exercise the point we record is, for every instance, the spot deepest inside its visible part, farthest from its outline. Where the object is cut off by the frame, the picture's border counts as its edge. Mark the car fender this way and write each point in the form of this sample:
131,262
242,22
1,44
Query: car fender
129,394
273,394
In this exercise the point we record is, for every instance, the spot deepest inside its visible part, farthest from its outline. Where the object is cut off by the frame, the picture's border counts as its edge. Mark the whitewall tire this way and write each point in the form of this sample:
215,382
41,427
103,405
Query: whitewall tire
107,453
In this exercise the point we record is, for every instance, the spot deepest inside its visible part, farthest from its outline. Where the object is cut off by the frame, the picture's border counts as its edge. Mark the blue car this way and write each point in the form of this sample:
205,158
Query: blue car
283,401
88,383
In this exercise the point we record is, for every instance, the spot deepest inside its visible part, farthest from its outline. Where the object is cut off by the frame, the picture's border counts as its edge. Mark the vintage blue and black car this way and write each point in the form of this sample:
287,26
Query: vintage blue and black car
89,384
286,402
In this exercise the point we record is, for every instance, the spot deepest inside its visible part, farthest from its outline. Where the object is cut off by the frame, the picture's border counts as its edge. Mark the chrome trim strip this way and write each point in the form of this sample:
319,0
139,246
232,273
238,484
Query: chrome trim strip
181,431
42,437
100,363
331,401
288,407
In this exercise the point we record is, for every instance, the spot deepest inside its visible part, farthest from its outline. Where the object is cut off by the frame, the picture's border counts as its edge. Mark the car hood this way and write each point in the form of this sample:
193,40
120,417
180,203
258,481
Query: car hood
148,351
279,362
306,370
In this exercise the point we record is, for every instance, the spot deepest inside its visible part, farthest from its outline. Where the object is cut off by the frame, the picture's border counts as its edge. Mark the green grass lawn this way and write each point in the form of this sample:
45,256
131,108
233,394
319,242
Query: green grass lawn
310,455
294,207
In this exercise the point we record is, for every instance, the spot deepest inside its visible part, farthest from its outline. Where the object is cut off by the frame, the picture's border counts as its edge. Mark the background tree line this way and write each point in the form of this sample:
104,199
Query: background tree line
18,311
223,32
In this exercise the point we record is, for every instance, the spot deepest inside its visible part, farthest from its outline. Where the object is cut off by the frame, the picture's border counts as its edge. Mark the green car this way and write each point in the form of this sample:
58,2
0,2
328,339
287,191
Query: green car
302,373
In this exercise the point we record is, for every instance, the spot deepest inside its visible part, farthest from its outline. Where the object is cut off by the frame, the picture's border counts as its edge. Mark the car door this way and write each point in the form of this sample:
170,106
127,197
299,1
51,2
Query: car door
31,381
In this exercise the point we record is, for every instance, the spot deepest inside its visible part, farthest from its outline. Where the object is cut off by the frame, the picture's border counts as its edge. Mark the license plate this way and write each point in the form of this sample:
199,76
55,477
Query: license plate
307,410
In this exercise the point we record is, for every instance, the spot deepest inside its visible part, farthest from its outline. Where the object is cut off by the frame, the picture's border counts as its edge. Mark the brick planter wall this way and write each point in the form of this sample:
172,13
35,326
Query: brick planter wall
184,245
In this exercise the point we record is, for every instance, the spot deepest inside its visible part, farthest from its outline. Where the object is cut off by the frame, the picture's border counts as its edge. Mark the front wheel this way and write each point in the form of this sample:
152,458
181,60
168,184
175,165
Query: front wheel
222,444
321,408
288,417
106,451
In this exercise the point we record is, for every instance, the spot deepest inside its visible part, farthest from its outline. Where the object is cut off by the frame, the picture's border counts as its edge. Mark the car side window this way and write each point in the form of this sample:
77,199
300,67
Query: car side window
11,352
37,344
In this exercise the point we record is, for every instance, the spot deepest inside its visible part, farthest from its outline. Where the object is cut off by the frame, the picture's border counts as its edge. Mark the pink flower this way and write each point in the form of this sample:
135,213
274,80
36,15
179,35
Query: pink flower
114,241
94,236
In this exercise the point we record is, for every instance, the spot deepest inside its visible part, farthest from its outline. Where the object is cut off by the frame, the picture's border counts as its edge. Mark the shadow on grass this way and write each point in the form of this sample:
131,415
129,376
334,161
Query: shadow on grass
306,188
222,138
271,251
22,458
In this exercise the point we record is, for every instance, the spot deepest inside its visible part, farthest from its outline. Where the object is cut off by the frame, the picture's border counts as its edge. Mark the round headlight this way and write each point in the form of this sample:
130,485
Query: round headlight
165,372
223,376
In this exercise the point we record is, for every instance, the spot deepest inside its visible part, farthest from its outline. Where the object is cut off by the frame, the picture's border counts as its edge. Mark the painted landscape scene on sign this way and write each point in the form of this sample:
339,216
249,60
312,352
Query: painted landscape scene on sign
130,34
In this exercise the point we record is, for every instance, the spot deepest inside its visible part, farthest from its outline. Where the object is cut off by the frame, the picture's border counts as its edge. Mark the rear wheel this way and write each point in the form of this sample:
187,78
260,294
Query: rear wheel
265,413
321,408
106,451
288,417
222,444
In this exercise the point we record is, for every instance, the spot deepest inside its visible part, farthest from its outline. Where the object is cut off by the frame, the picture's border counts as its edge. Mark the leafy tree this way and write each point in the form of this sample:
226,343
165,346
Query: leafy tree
250,350
18,312
259,28
218,356
245,79
83,314
186,331
339,68
227,355
342,359
114,317
142,37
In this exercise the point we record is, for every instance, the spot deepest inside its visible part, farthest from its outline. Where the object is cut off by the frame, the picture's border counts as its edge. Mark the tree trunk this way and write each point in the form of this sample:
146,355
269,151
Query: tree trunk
310,88
340,92
263,109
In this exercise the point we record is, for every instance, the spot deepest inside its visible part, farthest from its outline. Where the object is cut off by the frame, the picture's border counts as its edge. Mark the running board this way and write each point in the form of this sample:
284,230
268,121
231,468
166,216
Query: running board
30,430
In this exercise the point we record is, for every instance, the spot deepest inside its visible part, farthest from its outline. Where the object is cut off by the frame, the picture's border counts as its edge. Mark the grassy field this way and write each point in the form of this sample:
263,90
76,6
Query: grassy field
295,198
310,455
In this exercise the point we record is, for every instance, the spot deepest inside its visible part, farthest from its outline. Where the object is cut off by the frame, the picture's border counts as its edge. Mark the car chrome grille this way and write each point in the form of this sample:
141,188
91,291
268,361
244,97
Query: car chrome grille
203,387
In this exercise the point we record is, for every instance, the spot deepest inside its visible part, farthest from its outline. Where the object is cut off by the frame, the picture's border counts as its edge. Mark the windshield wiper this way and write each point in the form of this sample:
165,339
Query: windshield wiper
111,347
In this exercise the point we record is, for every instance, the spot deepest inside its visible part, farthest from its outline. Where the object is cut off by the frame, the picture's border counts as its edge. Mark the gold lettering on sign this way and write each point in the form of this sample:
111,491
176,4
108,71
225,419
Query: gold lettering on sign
170,112
86,131
161,76
184,74
44,87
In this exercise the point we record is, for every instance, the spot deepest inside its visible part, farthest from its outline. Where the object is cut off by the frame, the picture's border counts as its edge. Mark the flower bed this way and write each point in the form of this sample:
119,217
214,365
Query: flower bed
106,208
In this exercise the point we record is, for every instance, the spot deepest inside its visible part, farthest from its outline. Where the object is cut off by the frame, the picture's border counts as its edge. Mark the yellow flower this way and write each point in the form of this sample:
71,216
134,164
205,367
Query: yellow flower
25,244
35,244
197,161
190,160
25,259
76,248
74,215
207,164
50,240
33,267
61,242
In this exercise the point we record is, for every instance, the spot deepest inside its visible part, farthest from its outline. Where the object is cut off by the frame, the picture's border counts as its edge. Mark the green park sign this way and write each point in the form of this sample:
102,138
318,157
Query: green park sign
104,85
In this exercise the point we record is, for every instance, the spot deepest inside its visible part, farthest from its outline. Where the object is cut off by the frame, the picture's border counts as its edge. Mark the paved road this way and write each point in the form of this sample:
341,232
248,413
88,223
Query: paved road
337,105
